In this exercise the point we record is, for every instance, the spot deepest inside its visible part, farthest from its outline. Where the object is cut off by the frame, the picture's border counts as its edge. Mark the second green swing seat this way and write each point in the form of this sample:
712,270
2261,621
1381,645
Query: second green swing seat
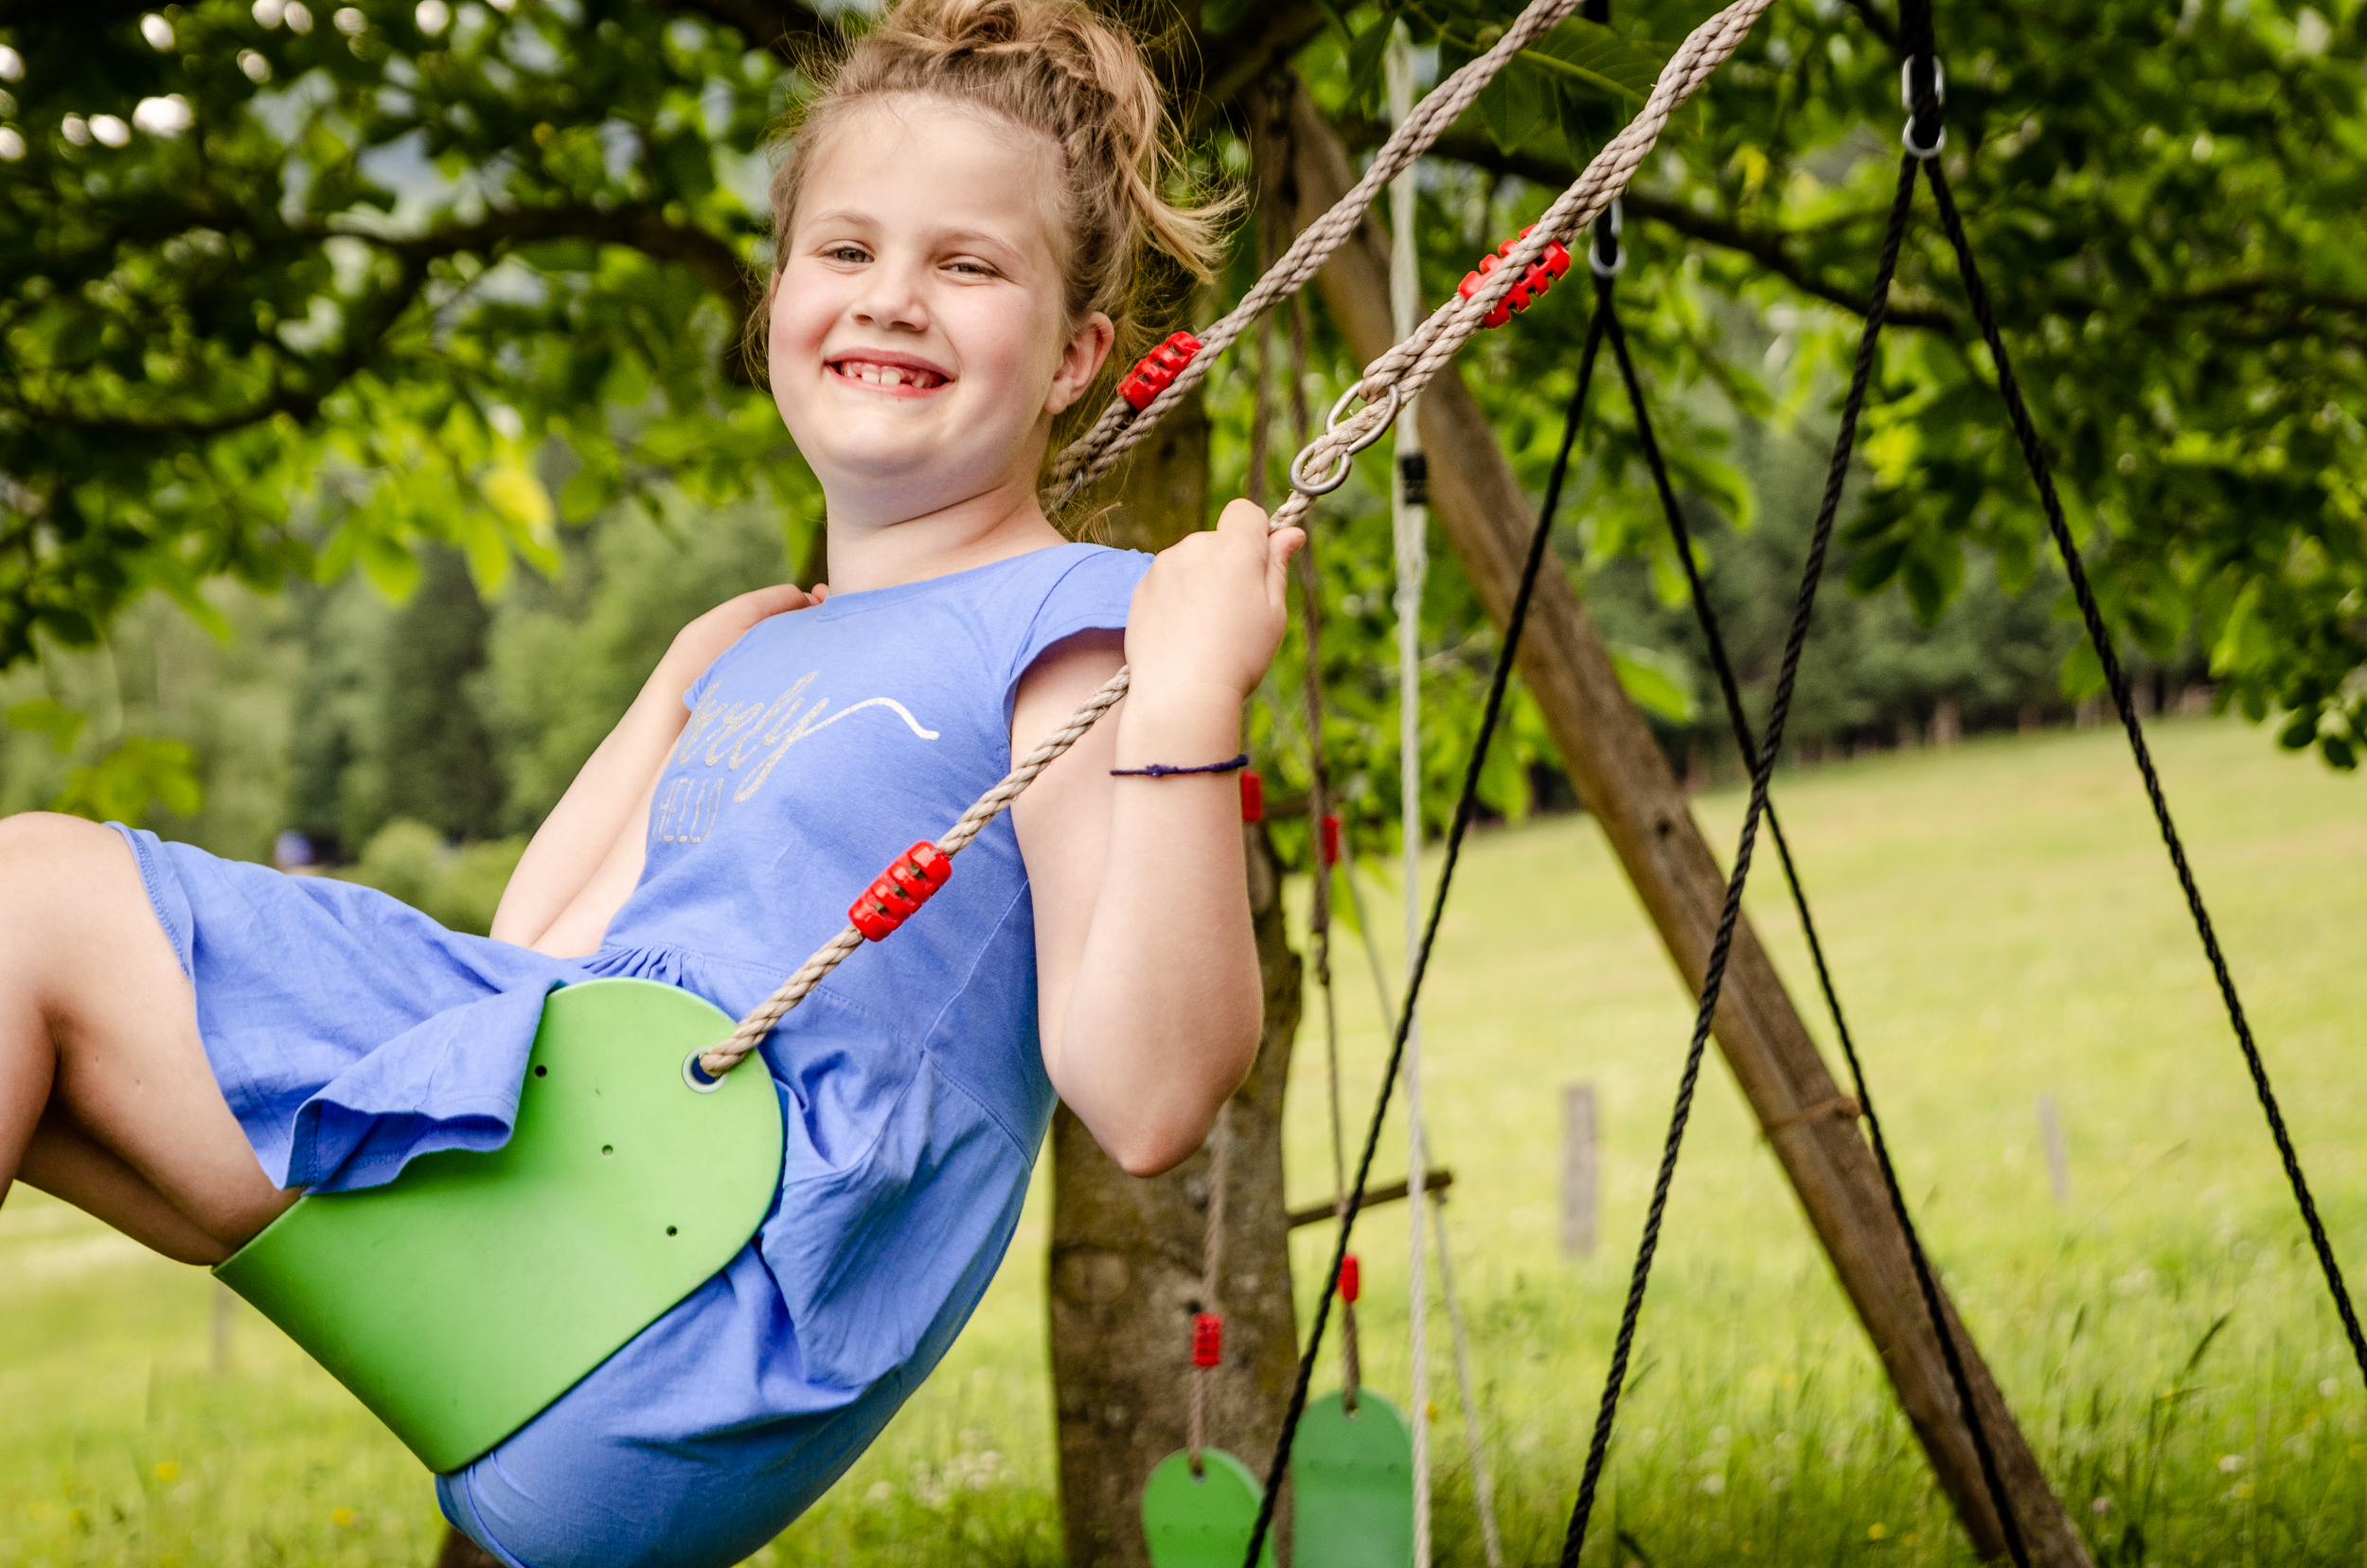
1351,1493
461,1298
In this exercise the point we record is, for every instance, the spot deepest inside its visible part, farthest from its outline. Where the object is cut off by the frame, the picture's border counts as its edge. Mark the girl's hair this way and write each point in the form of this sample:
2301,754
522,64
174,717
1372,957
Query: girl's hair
1046,66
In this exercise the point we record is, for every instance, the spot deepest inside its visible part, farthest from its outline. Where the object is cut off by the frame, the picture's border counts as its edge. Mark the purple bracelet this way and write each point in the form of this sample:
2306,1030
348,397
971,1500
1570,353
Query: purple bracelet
1160,770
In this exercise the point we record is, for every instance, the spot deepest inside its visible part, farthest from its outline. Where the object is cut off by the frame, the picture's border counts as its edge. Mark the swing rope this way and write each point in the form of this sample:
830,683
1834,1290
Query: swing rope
1392,380
1721,945
1410,546
1467,807
1208,1323
1862,1104
2116,680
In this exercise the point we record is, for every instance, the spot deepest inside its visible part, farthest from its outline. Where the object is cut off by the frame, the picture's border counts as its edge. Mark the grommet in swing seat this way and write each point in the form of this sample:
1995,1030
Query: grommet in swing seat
697,1077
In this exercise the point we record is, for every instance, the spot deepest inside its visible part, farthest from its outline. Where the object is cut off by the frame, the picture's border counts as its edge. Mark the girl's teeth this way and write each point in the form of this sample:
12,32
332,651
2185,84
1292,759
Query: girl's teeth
891,377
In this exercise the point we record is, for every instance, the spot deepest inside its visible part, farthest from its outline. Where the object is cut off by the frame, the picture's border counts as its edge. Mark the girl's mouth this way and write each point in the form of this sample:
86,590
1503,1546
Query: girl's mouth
906,379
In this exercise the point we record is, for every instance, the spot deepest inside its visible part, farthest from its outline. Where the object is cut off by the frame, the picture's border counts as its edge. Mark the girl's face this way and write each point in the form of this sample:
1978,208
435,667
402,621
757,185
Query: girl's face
919,340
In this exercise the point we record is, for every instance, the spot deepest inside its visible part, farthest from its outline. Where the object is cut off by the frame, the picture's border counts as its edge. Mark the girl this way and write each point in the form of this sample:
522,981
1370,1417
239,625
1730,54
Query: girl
186,1043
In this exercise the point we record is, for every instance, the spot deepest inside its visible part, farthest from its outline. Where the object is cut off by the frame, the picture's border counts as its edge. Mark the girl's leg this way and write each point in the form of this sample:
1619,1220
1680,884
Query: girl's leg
106,1098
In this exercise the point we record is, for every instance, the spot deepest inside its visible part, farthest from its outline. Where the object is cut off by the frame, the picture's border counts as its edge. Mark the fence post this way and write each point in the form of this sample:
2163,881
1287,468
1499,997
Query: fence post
2058,1148
1577,1171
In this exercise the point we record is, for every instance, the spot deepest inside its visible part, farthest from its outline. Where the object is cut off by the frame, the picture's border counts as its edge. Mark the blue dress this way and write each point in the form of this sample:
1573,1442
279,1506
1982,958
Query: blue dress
350,1034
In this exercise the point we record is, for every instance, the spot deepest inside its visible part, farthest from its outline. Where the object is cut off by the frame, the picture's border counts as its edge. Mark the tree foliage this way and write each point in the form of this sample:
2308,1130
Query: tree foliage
289,290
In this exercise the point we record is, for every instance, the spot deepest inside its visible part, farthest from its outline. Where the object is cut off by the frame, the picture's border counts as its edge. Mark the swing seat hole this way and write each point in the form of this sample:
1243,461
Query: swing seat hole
670,1230
541,1072
608,1149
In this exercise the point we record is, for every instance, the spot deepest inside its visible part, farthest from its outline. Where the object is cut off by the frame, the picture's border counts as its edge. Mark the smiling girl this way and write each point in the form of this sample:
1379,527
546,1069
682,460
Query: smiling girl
185,1042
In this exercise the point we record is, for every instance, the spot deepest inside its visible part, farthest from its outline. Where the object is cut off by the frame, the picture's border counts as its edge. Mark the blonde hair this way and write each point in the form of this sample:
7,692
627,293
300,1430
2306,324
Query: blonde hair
1051,66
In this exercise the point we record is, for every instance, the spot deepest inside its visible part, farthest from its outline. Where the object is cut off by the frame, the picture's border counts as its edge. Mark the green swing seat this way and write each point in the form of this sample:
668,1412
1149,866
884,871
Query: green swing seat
464,1297
1352,1495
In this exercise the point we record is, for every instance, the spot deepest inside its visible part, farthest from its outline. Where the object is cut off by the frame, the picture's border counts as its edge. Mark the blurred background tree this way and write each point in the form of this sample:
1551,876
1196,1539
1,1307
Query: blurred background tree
291,291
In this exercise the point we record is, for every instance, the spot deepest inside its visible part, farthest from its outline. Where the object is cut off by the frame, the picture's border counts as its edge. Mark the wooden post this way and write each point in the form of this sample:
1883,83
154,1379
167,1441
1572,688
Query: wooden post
1577,1171
1626,783
2058,1148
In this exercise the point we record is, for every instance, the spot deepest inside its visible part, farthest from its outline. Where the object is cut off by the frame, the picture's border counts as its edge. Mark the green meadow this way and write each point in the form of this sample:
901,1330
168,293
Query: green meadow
2004,925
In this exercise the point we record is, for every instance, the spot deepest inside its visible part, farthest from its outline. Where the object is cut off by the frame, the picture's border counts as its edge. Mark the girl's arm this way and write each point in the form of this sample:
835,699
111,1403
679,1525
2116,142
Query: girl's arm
586,857
1149,996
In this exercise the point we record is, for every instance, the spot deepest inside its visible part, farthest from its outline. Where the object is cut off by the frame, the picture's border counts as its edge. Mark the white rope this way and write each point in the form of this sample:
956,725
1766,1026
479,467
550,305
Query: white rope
1482,1489
1409,530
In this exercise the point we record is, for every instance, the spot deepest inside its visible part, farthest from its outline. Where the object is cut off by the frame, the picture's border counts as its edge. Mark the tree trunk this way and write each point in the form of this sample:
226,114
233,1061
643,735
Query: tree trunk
1125,1270
1625,782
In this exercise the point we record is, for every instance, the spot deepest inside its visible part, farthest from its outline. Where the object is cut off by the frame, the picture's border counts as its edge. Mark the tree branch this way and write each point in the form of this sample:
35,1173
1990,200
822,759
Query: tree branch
645,230
1232,60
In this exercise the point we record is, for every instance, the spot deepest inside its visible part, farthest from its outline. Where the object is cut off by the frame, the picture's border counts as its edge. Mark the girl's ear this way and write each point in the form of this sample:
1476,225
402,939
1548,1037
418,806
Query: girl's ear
1080,361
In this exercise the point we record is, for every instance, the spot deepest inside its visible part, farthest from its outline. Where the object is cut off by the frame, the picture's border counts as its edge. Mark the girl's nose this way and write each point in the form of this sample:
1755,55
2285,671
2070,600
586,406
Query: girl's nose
891,298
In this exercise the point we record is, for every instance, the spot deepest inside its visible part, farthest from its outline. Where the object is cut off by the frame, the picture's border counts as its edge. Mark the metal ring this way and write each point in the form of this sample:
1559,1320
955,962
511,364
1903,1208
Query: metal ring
1907,101
1329,482
1907,82
696,1076
1338,473
1338,414
1596,236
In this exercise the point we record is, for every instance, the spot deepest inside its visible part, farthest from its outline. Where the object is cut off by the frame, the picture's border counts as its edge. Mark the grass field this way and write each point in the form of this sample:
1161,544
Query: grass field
2004,924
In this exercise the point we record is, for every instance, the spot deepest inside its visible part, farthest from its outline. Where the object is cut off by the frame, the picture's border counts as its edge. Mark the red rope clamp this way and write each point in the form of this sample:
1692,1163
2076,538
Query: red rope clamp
1351,1279
899,891
1552,264
1328,837
1207,1339
1155,371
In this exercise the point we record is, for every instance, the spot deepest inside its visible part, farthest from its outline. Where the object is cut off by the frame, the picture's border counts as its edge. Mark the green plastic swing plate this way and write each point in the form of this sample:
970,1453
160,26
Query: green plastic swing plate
461,1298
1352,1485
1202,1521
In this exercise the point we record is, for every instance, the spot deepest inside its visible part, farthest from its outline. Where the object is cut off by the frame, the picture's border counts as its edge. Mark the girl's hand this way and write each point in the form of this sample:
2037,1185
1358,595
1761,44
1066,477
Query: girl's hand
1210,612
698,644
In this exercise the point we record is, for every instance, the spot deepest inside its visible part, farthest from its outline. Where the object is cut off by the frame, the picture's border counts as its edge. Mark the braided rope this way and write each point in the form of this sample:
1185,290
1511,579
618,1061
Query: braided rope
1211,1280
1119,427
1401,374
722,1058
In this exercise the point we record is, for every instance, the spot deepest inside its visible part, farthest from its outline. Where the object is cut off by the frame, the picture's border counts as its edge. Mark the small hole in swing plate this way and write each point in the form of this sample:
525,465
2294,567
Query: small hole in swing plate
608,1149
541,1072
670,1230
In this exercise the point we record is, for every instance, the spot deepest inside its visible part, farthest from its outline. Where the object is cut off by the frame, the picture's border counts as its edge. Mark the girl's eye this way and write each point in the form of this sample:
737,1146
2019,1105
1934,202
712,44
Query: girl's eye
976,269
848,253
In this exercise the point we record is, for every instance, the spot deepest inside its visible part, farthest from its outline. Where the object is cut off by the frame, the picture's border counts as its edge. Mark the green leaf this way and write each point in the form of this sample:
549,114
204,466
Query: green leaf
1654,681
1513,105
2083,672
1218,16
1589,55
138,769
1366,58
44,716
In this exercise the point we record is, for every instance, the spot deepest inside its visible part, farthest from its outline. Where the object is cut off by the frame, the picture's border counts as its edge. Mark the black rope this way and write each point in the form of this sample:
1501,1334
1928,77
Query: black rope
1706,615
1721,946
2034,456
1467,805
